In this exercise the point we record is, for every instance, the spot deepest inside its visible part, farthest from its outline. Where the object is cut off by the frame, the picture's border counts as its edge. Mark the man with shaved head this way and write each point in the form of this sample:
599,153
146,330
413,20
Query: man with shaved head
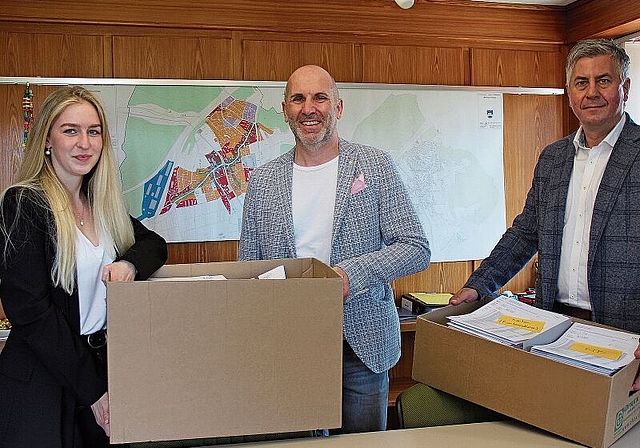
342,203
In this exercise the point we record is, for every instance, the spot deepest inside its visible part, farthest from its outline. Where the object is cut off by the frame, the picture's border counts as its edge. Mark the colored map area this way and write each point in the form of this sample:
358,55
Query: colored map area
234,126
186,153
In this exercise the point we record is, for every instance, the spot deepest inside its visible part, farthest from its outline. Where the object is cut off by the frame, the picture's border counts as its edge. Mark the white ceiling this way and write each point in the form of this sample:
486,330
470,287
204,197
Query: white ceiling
533,2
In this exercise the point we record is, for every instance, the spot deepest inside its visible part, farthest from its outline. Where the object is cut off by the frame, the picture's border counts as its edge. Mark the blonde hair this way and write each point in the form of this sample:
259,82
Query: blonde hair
101,186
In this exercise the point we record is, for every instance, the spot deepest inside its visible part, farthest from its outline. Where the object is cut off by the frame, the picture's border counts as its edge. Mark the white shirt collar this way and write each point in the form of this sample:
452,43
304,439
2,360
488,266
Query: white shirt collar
610,139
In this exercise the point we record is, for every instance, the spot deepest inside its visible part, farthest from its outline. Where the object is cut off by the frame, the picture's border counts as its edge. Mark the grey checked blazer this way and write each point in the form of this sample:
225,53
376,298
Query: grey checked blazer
613,268
377,238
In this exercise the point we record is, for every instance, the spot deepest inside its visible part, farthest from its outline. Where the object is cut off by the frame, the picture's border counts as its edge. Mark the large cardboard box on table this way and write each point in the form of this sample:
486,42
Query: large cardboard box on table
193,358
590,408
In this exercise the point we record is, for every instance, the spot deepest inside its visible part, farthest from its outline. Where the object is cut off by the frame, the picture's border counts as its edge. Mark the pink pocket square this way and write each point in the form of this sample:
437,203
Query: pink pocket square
358,184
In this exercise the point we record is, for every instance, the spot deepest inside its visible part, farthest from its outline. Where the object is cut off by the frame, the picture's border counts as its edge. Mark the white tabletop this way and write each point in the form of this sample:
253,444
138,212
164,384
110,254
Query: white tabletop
507,434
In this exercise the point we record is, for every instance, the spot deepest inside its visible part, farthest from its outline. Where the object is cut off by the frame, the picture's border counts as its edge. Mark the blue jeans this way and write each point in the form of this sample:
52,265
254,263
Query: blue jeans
365,395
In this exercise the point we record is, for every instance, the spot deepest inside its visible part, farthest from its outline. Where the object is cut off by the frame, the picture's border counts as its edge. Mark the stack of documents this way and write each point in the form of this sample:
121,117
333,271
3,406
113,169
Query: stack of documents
511,322
405,315
431,298
598,349
423,302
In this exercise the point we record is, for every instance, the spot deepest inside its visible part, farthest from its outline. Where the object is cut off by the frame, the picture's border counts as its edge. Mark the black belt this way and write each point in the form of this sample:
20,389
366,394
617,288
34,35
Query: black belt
98,339
572,311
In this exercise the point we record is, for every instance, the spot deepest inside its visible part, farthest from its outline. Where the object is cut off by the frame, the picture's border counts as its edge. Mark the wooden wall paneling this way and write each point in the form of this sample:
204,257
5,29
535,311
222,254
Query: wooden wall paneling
107,56
519,68
438,277
202,252
275,60
237,55
59,55
173,57
401,372
601,18
473,21
10,133
11,127
413,65
531,122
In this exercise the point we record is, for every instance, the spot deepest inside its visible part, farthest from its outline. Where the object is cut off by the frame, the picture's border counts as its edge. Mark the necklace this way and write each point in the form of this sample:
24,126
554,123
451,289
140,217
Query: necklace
80,216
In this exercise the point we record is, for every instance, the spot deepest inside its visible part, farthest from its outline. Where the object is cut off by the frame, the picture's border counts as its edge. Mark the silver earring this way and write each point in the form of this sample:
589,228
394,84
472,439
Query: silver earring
47,151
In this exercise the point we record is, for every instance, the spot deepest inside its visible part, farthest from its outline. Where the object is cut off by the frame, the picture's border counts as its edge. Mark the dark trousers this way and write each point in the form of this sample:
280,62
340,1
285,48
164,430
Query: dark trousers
92,435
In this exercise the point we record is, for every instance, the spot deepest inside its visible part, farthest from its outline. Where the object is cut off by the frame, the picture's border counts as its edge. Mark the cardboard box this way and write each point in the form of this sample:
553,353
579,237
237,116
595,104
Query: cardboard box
586,407
212,358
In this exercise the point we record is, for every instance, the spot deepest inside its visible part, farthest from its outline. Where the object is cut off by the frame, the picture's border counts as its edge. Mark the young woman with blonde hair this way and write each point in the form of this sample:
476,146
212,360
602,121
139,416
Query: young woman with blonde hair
64,232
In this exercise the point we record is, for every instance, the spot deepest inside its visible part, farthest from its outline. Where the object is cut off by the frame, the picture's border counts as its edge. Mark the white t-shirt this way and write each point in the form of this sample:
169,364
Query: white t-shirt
92,291
314,197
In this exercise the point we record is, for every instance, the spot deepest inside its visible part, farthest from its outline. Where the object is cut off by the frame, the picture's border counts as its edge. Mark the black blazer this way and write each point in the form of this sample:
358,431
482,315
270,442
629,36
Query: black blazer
44,345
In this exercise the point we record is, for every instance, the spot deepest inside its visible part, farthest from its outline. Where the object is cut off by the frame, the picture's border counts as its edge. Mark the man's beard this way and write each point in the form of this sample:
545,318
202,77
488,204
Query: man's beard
314,142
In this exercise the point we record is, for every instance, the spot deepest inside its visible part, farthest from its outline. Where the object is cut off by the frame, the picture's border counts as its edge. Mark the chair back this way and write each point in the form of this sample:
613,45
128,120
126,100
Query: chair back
421,406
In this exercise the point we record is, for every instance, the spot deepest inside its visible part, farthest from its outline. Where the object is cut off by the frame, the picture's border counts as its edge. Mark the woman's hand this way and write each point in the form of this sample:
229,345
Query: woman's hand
119,271
101,412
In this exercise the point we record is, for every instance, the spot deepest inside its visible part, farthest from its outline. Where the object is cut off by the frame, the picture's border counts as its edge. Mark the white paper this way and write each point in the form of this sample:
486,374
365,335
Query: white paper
184,279
483,322
275,273
595,336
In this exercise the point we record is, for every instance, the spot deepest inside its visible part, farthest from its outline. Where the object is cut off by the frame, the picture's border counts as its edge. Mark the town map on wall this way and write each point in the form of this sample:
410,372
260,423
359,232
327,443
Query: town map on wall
186,154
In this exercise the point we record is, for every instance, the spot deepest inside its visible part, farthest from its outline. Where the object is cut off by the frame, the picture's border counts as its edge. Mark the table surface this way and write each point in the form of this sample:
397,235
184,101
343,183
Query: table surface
501,434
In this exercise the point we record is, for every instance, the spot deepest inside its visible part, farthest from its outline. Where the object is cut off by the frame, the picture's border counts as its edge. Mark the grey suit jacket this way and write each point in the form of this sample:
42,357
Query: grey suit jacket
613,267
377,238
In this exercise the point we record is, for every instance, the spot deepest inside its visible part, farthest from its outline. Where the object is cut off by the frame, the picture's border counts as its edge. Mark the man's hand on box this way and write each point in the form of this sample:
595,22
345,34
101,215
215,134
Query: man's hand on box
464,295
345,282
636,383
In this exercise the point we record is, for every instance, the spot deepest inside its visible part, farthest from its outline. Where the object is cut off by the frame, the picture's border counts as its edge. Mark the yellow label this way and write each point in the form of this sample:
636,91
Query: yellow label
594,350
535,326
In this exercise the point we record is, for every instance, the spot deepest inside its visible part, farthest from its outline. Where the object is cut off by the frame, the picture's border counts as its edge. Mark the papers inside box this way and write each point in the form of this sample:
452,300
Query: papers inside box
589,408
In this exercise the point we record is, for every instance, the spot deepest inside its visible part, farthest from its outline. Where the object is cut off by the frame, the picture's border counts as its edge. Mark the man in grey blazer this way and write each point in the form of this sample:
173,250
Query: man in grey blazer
582,213
345,204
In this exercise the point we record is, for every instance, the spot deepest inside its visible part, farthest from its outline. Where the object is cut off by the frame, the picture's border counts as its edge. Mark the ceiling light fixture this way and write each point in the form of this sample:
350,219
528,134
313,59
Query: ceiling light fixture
405,4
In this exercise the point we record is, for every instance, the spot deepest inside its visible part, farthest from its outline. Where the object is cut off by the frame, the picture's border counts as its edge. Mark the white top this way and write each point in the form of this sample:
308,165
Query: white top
588,168
314,197
92,291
